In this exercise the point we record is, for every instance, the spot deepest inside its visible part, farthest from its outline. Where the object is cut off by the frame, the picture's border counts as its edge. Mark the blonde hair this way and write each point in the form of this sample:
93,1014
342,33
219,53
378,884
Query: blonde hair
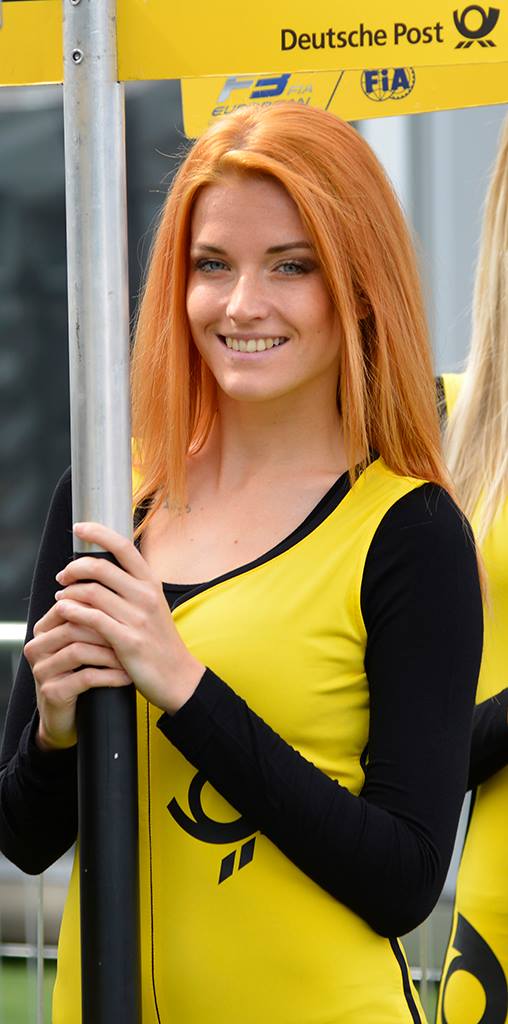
476,440
385,389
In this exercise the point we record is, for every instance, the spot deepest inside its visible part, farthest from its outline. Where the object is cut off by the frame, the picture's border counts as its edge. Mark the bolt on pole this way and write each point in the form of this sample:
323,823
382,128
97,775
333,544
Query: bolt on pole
96,205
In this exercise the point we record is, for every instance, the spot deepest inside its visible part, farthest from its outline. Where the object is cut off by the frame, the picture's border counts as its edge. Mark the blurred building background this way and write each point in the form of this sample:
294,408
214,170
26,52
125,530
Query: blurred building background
34,393
439,164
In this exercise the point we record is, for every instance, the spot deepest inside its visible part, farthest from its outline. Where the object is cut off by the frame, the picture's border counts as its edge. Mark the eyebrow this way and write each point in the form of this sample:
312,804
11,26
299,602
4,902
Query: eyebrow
300,244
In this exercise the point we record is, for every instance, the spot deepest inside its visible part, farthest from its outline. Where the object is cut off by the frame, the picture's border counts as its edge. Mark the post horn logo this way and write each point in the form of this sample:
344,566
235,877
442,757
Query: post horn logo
475,33
207,830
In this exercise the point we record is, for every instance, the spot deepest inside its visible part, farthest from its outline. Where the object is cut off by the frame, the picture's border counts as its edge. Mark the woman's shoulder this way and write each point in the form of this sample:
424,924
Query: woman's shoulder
424,543
426,506
56,543
408,521
448,390
384,486
424,530
63,487
60,507
414,501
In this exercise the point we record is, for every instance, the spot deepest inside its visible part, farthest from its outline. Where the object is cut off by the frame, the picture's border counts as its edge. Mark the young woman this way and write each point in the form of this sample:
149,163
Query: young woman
475,975
305,708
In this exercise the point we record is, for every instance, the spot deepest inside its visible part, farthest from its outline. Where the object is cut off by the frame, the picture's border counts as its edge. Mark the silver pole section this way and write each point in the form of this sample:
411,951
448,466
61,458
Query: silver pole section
101,486
96,200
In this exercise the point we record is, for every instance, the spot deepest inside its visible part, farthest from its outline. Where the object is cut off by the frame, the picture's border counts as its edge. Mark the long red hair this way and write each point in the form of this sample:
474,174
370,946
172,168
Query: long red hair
386,389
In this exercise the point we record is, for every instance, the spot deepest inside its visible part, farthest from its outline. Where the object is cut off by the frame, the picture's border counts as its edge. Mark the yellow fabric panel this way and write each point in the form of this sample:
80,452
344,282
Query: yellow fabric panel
452,383
265,942
482,886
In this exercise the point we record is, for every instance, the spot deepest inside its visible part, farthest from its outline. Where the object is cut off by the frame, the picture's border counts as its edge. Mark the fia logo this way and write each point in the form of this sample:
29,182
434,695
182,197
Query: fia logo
471,30
388,83
207,830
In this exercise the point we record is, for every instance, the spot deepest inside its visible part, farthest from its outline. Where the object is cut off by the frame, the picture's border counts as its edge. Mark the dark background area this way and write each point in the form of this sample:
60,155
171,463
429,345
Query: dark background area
34,390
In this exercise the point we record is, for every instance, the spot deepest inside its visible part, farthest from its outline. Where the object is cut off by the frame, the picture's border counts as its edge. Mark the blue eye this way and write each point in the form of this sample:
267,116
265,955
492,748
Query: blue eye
293,268
209,265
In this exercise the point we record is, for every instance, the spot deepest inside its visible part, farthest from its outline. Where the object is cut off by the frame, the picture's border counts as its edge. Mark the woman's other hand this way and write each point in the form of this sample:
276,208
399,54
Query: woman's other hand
125,605
66,660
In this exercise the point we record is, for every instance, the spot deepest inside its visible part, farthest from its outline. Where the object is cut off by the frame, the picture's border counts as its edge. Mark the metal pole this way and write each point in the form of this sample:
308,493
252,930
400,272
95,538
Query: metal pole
101,485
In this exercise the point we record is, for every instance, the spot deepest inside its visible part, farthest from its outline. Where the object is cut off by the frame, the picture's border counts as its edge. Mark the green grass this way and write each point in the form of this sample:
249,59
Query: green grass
430,1008
18,991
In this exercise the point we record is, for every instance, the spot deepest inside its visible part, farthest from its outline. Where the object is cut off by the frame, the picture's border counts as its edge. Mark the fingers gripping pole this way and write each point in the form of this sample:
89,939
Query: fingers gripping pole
101,485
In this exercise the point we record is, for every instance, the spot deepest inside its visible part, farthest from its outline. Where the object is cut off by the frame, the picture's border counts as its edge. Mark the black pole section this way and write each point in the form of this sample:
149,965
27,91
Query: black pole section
108,849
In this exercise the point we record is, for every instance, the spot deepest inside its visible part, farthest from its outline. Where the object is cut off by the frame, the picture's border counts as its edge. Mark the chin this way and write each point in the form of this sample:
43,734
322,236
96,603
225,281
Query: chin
250,395
254,390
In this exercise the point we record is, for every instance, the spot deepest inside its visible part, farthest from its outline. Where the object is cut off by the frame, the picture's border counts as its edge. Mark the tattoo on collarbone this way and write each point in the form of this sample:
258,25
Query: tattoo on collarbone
179,510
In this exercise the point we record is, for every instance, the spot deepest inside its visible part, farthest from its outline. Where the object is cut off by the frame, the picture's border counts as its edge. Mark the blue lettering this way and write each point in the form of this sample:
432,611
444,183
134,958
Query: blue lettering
371,80
400,79
270,86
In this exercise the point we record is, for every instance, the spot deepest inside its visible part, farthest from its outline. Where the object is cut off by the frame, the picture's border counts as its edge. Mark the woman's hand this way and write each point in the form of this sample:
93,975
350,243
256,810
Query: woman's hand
126,607
56,655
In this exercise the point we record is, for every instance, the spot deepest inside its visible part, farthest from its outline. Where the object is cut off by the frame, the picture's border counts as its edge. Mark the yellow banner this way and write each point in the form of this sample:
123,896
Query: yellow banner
31,42
353,95
160,39
157,39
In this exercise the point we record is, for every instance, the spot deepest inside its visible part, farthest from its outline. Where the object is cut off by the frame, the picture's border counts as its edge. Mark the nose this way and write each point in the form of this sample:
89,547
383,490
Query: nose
247,300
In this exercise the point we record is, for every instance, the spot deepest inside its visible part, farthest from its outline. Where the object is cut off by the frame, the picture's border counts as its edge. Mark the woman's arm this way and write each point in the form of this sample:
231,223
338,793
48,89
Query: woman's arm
38,808
385,853
489,746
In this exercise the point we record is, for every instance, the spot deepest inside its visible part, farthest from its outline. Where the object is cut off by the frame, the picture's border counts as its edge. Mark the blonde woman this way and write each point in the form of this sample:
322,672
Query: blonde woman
305,692
475,975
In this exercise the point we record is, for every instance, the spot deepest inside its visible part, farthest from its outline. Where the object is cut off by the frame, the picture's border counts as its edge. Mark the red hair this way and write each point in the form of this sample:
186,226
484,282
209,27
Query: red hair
386,388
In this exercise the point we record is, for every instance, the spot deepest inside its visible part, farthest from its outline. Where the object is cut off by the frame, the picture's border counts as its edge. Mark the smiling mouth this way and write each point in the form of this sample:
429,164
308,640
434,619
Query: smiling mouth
252,344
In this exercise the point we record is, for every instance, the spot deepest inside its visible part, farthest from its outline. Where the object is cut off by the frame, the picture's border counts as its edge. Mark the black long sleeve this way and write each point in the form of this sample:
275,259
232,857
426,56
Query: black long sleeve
38,802
385,853
399,831
489,749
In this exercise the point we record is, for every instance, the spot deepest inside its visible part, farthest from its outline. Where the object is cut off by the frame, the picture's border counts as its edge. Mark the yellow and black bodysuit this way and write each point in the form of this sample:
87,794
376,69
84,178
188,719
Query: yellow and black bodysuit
475,974
298,813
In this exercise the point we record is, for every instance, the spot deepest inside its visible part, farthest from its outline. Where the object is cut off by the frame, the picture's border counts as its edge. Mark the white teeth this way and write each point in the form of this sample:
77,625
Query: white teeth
253,344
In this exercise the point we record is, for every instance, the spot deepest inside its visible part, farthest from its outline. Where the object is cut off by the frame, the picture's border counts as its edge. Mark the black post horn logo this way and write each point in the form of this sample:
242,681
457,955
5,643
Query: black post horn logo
207,830
489,20
478,959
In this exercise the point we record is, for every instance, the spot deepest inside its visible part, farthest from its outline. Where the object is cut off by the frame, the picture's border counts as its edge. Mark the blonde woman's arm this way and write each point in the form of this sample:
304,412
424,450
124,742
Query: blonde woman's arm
489,744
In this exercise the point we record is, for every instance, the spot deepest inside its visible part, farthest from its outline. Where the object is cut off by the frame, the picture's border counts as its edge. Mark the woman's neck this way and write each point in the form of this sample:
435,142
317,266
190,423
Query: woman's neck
268,440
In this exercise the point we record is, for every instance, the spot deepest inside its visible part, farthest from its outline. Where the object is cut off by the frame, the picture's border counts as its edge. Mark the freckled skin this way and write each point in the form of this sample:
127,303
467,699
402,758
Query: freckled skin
238,288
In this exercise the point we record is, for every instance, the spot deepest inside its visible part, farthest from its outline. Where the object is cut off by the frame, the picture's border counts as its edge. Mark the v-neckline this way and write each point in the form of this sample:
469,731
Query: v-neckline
321,511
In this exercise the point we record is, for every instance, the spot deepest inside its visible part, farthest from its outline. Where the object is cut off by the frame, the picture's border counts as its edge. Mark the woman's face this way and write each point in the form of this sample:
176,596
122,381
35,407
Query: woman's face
259,311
